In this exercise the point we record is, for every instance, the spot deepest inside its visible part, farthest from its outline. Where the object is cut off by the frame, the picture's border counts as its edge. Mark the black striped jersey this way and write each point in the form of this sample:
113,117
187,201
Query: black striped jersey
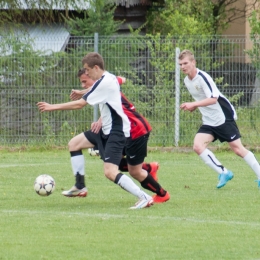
139,124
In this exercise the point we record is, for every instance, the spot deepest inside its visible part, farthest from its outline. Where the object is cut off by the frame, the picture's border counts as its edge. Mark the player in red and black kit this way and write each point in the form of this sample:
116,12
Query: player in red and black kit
136,150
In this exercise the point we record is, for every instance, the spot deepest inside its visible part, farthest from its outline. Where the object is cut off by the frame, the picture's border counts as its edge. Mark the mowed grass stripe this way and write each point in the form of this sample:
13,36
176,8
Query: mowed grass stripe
126,216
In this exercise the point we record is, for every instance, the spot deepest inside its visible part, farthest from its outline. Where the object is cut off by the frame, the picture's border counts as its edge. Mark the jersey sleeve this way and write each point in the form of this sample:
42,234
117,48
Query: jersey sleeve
120,81
209,87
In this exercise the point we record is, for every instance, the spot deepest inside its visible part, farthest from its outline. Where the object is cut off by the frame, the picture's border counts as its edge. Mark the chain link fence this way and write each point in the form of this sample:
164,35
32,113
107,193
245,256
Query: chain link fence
148,63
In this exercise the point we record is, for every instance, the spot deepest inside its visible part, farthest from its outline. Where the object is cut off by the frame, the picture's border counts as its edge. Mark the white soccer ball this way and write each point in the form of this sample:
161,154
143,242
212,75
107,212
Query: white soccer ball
44,185
93,152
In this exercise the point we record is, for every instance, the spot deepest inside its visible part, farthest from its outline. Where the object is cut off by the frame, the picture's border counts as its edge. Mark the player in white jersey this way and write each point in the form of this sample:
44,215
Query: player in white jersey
218,117
115,129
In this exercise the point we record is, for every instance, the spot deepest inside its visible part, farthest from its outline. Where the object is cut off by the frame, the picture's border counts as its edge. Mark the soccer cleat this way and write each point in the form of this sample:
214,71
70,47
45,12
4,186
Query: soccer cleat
154,168
143,203
258,183
158,199
224,178
74,192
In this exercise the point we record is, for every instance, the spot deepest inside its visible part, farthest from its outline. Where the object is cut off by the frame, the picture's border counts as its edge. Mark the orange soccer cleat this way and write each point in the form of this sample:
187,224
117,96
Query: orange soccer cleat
158,199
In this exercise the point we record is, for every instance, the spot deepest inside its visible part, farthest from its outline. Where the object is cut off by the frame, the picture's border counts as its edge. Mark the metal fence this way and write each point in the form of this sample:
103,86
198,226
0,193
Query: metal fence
148,63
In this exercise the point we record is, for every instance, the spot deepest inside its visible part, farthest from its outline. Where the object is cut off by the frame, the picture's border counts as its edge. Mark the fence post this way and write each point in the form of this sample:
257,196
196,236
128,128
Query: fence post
95,112
177,97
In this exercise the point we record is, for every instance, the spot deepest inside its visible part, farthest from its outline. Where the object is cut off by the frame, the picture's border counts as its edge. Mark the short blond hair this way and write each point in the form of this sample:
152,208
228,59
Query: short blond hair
186,53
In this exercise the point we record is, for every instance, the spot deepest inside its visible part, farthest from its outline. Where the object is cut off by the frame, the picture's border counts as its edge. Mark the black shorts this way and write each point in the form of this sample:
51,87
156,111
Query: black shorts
110,146
136,149
227,132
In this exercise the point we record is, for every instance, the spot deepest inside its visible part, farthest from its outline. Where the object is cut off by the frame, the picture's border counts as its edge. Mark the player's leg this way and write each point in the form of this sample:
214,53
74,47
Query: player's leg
112,157
151,168
148,182
201,142
136,151
76,144
123,166
248,156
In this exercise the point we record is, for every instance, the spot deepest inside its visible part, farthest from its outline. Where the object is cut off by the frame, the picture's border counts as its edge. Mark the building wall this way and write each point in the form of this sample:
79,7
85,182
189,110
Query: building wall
237,27
241,27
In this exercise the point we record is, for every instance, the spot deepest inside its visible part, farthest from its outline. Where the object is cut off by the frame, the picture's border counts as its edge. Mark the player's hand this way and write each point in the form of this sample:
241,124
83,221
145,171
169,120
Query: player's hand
43,106
75,94
96,126
188,106
123,79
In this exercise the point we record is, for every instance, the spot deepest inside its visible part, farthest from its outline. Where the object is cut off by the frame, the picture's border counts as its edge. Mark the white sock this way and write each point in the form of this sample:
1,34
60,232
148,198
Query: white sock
210,159
78,164
253,163
127,184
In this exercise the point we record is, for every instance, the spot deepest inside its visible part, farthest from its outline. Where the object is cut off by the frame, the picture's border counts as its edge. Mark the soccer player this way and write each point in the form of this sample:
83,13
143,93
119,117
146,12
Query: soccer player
218,117
136,146
112,137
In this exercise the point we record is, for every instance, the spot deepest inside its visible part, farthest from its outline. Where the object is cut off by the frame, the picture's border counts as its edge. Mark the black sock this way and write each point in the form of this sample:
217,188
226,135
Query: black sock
119,175
80,181
150,184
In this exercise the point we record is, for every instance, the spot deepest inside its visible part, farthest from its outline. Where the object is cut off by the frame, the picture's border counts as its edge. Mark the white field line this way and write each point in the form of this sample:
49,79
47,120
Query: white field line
27,164
126,216
34,164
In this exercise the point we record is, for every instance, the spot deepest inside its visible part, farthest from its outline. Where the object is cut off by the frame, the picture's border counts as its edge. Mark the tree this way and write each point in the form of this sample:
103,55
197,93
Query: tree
98,18
41,11
228,11
216,14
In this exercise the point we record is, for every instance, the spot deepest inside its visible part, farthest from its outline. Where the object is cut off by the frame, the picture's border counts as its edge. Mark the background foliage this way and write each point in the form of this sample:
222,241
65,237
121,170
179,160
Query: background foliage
146,60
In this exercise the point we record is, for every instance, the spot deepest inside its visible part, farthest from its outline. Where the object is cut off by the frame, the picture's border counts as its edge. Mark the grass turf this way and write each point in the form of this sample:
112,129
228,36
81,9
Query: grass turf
198,222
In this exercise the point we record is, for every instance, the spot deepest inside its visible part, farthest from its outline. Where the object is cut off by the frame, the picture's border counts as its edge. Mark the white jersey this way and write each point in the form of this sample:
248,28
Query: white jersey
106,93
201,87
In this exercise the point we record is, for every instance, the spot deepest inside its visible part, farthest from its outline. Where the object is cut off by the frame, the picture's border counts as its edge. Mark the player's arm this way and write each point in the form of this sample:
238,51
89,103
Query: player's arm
96,126
77,94
121,80
78,104
191,106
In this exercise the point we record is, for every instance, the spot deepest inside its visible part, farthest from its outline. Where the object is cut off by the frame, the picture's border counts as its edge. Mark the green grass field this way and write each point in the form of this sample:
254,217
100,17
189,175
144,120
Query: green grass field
198,222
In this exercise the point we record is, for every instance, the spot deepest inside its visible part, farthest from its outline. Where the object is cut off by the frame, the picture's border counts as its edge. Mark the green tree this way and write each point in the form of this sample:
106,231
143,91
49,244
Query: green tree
98,18
41,11
179,18
215,15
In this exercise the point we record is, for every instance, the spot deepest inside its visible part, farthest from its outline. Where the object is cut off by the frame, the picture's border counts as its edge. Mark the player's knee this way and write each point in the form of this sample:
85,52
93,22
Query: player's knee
240,152
198,148
110,175
71,145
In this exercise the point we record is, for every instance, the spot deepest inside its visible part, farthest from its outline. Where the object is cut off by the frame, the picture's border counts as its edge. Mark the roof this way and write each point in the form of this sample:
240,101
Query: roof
46,38
49,38
62,5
